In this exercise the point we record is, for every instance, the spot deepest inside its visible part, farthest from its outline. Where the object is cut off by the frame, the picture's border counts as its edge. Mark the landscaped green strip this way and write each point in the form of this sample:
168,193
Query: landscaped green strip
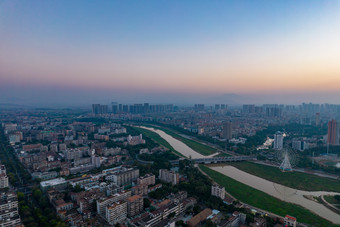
332,200
158,139
196,146
264,201
297,180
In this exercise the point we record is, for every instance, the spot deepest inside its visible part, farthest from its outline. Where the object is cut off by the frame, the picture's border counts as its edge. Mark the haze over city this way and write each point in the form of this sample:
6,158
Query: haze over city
80,52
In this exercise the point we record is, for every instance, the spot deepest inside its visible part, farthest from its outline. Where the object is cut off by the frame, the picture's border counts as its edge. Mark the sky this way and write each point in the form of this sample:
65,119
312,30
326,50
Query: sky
78,52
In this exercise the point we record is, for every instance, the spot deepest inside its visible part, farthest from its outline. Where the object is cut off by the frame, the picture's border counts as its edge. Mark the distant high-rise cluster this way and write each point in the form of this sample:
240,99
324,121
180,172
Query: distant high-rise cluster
99,109
221,106
141,108
199,107
273,110
118,108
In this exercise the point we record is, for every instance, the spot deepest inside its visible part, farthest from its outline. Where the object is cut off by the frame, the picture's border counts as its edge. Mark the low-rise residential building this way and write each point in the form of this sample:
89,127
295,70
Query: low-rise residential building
197,219
58,183
44,175
290,221
235,220
62,205
148,179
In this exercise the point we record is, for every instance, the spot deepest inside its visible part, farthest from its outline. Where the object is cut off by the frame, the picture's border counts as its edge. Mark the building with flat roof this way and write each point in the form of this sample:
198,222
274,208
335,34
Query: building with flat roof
278,141
148,179
333,135
290,221
197,219
9,214
218,191
57,183
124,176
3,177
168,176
104,202
135,205
116,212
227,130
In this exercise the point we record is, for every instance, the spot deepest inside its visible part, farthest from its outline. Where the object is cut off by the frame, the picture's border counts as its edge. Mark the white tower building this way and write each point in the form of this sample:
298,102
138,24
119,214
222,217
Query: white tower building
278,141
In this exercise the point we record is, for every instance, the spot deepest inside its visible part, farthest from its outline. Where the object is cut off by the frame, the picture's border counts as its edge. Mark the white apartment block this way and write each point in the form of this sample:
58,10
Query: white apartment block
3,177
168,176
104,202
278,141
116,212
218,191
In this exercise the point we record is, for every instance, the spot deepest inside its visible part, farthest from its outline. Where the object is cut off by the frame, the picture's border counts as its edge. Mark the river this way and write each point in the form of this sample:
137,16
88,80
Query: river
281,192
276,190
178,145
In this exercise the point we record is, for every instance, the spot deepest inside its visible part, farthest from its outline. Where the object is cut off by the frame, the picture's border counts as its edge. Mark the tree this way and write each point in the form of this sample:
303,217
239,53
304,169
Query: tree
147,203
209,223
171,215
196,209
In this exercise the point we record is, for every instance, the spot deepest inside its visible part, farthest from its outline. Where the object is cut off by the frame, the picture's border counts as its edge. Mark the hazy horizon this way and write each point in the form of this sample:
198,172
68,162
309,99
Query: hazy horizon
70,97
57,53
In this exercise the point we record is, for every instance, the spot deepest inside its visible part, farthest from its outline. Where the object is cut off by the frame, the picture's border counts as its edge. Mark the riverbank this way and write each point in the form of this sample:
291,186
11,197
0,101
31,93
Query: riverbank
297,180
264,201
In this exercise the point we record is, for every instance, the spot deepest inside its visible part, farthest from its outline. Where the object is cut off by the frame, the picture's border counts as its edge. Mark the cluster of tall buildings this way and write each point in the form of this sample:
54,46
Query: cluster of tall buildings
133,109
268,109
221,106
333,136
100,109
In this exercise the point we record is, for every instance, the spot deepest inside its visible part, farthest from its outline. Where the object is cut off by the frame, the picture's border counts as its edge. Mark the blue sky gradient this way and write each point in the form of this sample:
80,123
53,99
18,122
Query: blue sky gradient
171,47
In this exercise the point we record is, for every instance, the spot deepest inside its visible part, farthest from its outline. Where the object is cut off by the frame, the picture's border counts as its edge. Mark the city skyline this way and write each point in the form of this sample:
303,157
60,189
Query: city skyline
179,52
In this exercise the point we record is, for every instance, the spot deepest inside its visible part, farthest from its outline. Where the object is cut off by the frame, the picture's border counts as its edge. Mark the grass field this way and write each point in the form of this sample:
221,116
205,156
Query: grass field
158,139
331,199
264,201
196,146
297,180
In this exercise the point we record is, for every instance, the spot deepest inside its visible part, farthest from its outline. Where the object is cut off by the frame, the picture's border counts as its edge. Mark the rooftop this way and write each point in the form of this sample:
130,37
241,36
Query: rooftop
53,182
